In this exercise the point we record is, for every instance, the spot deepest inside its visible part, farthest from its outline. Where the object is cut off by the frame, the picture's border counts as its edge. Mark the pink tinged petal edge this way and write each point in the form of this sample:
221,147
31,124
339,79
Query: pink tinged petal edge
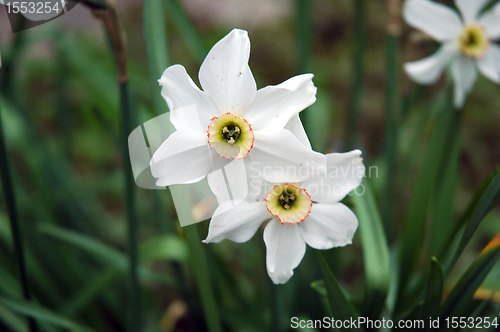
489,65
275,105
184,157
279,157
345,171
179,90
328,226
464,74
236,221
491,21
285,248
428,70
437,20
470,9
226,76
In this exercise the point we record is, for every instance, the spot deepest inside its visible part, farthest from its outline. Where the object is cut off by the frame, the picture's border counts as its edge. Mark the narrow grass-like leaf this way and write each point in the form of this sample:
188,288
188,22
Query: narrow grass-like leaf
469,282
319,287
392,104
442,219
166,247
375,248
434,291
9,194
341,307
181,20
43,314
13,321
100,250
489,199
90,291
198,259
156,47
445,132
357,72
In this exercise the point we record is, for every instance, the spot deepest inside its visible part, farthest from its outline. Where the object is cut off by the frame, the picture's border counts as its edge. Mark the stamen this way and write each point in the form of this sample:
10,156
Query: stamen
291,204
474,41
230,136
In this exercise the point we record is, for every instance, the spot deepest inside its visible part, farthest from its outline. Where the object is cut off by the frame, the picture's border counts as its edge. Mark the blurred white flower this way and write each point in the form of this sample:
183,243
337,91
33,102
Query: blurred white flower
304,212
466,42
230,119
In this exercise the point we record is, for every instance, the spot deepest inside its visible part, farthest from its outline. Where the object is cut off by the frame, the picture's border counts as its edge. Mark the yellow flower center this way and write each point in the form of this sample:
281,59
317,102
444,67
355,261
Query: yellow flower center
289,203
230,136
474,42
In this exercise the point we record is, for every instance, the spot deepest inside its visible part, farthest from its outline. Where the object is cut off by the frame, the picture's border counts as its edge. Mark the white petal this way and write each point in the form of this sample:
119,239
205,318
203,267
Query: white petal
344,173
184,157
226,76
295,127
489,65
236,221
187,118
328,226
428,70
280,157
284,250
435,19
464,74
179,91
491,21
229,182
275,105
470,9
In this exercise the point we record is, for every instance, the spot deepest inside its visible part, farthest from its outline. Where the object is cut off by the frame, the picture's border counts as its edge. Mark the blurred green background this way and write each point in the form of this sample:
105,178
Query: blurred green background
60,107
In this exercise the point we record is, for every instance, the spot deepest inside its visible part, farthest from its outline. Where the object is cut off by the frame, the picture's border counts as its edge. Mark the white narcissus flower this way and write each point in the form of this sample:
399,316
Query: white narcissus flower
304,212
466,42
230,120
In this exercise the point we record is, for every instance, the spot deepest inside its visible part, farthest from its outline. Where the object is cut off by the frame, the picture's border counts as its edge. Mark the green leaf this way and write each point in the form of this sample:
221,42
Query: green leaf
40,313
13,321
489,198
374,245
319,287
434,161
461,294
155,39
108,254
442,220
178,15
165,247
341,307
434,291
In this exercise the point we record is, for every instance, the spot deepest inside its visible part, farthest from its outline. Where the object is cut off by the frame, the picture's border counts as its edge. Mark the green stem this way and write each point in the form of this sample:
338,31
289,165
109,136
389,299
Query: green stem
201,274
392,118
303,23
10,199
130,206
357,72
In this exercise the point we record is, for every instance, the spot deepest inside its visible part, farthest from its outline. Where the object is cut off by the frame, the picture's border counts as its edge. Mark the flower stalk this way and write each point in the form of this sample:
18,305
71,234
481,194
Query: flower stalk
113,24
